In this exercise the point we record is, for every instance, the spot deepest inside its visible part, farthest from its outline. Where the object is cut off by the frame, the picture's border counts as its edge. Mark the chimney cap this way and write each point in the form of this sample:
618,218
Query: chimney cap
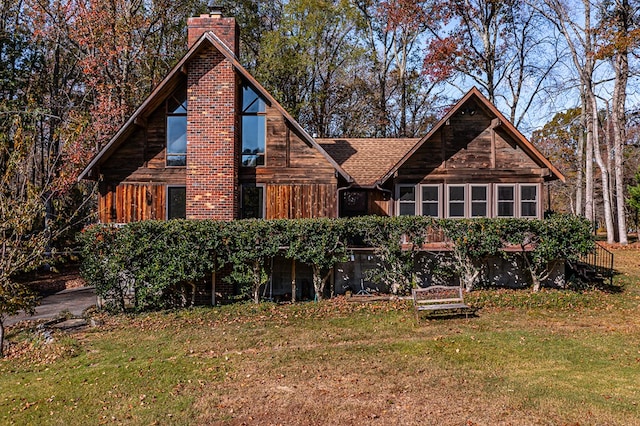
214,8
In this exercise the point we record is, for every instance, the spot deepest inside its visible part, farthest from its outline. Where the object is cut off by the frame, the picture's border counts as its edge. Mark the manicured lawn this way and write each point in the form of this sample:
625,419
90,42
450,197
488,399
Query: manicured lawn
552,358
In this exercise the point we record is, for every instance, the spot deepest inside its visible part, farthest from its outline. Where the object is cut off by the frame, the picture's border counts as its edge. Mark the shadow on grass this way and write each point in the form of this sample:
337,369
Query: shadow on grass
444,315
604,284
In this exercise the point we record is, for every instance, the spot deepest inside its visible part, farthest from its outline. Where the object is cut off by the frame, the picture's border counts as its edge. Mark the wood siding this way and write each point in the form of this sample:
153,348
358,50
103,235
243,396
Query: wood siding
471,148
141,159
122,203
300,182
288,158
301,201
379,203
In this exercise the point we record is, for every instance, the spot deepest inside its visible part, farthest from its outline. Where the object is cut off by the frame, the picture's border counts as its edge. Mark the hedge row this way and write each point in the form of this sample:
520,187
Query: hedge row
154,260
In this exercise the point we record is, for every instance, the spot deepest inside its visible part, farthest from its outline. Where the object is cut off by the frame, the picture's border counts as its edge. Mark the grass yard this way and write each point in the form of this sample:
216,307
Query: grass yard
554,358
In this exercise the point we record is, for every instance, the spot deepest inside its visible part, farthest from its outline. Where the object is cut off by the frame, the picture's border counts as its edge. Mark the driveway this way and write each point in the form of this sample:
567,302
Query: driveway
74,300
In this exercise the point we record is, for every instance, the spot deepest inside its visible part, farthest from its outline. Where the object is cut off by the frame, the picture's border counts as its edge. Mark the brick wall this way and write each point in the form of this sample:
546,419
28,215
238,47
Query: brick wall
212,138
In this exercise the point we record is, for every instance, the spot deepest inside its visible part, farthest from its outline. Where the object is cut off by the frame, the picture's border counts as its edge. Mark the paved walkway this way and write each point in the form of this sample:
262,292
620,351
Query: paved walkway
74,300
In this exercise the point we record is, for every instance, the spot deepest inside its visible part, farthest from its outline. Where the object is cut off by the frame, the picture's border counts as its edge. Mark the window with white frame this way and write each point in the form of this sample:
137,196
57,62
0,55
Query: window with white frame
456,200
469,200
430,197
506,200
528,200
479,200
406,200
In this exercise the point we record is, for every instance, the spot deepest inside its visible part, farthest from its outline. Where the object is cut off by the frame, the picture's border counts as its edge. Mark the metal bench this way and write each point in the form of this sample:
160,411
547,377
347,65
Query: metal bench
440,299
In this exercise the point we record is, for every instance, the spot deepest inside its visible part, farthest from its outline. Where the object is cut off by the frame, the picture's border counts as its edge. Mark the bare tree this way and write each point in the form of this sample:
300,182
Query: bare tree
581,43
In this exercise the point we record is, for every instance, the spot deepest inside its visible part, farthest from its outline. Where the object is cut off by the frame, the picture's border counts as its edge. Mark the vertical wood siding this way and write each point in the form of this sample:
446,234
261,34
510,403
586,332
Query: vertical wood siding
131,202
301,201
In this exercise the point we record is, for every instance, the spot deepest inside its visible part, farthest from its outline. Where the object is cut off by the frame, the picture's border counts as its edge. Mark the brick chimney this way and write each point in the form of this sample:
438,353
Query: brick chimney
212,123
225,28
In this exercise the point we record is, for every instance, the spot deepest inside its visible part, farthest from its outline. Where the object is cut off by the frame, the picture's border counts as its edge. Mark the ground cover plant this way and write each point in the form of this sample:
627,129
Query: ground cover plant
553,357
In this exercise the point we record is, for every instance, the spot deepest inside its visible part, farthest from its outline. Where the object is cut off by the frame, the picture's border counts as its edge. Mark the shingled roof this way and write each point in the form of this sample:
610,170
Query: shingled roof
367,160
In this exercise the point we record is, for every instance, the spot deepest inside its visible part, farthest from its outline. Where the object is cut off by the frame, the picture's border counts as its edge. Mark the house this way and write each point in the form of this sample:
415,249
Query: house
211,143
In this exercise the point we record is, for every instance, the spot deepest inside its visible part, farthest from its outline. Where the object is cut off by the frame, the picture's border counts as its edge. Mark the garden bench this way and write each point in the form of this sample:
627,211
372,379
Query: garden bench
439,299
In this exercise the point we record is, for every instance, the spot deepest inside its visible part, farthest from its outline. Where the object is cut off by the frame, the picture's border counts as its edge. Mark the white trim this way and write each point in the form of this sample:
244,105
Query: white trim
487,200
440,206
537,200
464,200
415,198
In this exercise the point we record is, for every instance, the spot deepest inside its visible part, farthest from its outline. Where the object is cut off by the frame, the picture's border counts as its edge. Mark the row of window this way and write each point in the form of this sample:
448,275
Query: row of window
253,128
469,200
459,201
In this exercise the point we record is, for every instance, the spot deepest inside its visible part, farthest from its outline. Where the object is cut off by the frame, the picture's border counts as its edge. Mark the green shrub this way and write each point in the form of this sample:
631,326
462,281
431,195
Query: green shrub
154,264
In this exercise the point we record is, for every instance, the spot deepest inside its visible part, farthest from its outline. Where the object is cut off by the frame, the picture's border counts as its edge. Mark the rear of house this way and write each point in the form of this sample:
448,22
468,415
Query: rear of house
211,143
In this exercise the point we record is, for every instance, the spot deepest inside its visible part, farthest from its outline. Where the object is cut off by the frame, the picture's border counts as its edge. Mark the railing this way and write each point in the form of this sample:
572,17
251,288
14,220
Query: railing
601,260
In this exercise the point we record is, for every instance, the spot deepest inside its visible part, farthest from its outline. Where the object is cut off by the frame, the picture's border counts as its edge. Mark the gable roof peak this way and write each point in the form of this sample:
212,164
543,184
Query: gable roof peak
520,139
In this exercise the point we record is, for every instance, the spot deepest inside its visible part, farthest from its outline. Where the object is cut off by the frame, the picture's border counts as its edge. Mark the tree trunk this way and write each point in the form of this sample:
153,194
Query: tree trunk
580,177
1,337
621,69
588,163
257,282
537,285
604,172
294,290
318,283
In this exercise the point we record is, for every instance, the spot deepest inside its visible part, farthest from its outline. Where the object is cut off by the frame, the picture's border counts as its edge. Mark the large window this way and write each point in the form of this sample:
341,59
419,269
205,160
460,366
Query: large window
176,202
252,201
253,128
469,200
177,128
